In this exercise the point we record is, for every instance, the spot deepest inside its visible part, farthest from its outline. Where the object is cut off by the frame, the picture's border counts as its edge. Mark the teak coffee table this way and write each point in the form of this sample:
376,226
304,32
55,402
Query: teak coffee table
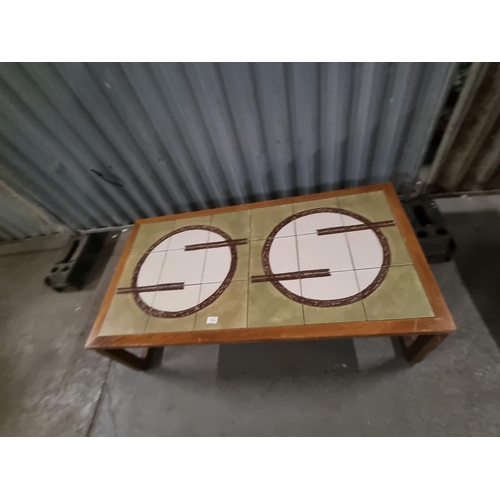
332,265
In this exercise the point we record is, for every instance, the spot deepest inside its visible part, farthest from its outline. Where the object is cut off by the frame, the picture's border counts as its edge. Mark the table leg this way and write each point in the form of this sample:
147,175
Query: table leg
417,347
142,362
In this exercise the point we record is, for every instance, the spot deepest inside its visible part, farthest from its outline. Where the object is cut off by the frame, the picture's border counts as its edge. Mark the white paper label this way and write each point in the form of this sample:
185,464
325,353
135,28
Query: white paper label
212,320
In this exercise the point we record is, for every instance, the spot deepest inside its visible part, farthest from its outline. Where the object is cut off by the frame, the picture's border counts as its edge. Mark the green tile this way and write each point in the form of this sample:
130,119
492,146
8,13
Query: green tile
236,224
307,205
124,317
230,309
264,220
399,252
351,312
241,273
149,233
128,270
268,307
255,264
166,325
372,205
401,295
193,221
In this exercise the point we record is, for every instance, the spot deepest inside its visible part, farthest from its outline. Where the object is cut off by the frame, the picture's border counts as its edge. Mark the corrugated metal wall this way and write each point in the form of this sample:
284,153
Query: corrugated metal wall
99,145
469,156
21,219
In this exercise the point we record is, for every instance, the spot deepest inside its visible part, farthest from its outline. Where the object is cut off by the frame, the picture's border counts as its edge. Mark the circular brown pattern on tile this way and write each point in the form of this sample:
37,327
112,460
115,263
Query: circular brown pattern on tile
386,260
198,307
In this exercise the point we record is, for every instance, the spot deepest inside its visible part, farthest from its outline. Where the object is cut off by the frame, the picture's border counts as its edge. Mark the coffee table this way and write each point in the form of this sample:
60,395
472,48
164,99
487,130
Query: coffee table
331,265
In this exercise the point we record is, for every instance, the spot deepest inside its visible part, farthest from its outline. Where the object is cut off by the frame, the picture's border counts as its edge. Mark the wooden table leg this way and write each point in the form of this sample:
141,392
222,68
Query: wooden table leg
142,362
417,347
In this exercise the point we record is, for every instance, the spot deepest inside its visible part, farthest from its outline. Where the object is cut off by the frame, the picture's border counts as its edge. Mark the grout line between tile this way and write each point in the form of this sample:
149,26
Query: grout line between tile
354,269
378,267
352,260
202,273
248,278
204,263
298,267
157,281
335,272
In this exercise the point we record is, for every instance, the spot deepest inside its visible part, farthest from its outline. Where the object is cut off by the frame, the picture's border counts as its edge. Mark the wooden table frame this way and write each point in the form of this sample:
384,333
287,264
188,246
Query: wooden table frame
419,335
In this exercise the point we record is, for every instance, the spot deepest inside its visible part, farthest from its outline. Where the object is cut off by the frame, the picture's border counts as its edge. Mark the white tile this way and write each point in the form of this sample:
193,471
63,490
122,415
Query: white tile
163,246
337,286
350,221
214,237
180,240
309,224
148,297
293,286
288,230
149,273
283,255
177,300
324,252
217,264
366,249
366,277
218,261
208,289
183,267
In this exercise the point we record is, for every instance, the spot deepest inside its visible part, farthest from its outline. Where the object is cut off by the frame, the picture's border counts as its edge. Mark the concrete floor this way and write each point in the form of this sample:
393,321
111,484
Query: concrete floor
51,386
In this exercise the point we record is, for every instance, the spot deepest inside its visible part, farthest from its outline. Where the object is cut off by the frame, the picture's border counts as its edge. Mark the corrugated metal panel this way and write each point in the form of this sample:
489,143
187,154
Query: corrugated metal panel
21,219
103,144
469,155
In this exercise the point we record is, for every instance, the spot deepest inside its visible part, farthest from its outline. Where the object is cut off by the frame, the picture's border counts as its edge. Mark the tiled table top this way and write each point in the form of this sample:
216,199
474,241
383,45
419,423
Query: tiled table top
339,259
